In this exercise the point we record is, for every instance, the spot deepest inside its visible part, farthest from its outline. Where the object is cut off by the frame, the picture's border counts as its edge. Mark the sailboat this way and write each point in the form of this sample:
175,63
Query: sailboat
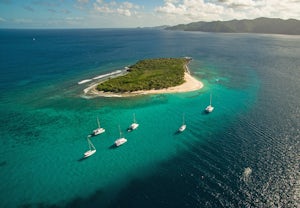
99,130
121,139
209,108
92,149
183,126
134,125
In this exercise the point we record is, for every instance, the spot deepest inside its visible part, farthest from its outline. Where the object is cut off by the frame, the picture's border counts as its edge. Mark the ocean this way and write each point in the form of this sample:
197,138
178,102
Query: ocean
246,153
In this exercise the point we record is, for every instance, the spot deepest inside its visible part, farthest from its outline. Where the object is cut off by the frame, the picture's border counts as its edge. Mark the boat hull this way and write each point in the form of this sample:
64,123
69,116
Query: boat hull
89,153
209,109
120,141
182,128
98,131
133,127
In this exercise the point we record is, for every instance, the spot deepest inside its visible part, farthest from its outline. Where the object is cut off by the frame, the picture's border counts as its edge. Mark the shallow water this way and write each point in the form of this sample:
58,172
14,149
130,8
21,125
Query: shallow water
254,80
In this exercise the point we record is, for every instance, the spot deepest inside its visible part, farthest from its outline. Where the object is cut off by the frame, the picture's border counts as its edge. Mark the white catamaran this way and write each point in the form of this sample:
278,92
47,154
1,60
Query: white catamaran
121,139
134,125
209,108
92,149
99,130
183,126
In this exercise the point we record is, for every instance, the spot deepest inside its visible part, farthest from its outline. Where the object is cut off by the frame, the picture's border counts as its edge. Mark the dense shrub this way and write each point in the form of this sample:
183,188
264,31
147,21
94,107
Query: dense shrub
148,74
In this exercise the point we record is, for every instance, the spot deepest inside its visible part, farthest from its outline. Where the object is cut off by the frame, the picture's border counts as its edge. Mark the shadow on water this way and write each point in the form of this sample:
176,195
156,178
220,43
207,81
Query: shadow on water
178,132
3,163
82,159
113,146
204,112
94,200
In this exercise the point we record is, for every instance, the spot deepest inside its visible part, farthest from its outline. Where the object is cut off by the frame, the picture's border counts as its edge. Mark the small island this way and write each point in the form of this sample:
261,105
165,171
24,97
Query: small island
150,76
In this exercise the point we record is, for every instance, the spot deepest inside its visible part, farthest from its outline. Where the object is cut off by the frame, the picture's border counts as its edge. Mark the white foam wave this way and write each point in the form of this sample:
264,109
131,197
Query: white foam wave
109,74
84,81
246,174
101,76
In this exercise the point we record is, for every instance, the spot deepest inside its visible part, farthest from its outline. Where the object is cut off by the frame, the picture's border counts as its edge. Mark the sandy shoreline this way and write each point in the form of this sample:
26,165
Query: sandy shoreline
190,84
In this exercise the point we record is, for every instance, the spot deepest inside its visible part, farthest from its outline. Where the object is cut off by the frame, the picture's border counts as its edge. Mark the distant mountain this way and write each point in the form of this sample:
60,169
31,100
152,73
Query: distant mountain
259,25
156,27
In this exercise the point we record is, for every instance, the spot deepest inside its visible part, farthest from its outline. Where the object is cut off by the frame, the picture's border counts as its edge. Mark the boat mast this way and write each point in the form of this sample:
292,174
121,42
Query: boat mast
183,119
98,122
91,146
210,100
134,121
120,131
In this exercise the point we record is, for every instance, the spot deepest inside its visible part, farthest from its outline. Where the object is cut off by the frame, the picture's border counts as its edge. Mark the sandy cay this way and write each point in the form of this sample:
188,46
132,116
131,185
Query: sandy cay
190,84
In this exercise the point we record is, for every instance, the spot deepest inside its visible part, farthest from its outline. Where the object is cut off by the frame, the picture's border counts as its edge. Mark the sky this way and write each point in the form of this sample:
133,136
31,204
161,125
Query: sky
136,13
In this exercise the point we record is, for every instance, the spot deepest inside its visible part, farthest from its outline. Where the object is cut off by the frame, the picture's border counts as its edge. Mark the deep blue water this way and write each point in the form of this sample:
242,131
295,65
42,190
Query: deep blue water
255,82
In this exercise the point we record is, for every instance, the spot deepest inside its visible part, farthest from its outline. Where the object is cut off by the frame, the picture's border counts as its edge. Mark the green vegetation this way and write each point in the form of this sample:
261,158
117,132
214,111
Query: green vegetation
259,25
147,75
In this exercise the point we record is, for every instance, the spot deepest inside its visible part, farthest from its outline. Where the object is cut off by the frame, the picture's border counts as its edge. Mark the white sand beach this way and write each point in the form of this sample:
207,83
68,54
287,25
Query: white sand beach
190,84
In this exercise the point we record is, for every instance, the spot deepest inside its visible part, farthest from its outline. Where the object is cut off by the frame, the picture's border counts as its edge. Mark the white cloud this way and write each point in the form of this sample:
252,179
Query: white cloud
102,9
74,18
116,13
127,5
189,10
129,13
22,21
183,11
123,8
239,3
125,12
2,19
83,1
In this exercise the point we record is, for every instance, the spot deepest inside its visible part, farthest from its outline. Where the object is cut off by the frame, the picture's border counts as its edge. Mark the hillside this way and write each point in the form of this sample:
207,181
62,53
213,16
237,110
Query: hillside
259,25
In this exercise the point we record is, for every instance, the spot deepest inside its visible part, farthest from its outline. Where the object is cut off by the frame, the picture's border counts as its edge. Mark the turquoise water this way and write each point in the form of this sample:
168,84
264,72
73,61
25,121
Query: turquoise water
46,120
